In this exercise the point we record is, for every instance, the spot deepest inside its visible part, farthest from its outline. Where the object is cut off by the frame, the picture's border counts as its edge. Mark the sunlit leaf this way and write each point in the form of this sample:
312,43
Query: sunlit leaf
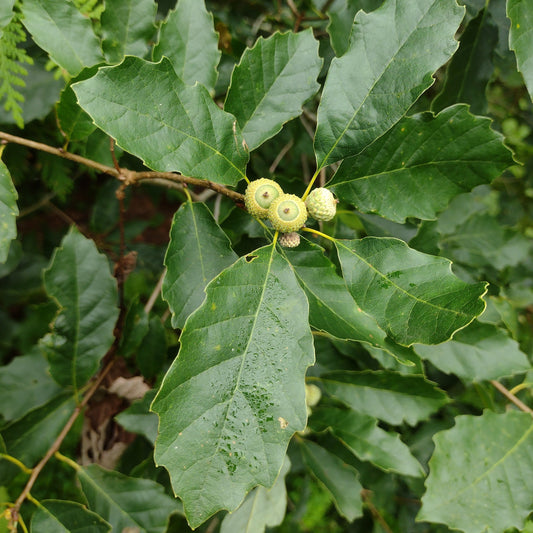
271,82
261,508
187,37
420,164
413,296
147,109
392,55
235,394
198,251
60,29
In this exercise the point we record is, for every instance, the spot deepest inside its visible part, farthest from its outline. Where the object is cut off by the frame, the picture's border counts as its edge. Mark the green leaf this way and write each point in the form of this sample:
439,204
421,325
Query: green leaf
75,124
389,63
471,67
152,352
481,474
79,280
127,502
29,438
482,241
261,508
271,83
331,307
341,15
8,212
137,418
339,479
389,396
421,163
521,38
24,385
413,296
169,125
127,27
188,39
475,354
134,330
235,395
57,516
198,251
60,29
6,13
361,434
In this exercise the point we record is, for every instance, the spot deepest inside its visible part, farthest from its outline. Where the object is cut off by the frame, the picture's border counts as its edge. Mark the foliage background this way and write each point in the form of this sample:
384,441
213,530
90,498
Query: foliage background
486,233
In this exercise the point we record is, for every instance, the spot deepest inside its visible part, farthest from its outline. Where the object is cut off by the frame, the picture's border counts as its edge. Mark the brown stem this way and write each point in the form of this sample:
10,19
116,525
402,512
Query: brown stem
57,443
511,397
365,494
130,177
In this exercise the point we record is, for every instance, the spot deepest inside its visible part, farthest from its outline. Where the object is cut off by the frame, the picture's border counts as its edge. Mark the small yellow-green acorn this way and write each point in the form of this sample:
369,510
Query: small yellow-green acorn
321,204
289,240
259,195
287,213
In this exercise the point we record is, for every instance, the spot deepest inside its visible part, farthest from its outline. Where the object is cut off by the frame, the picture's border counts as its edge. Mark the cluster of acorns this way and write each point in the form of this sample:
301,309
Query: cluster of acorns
287,213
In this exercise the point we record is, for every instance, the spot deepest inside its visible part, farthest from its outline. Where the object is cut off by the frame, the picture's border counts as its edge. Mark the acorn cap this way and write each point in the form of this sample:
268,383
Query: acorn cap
259,195
321,204
289,240
287,213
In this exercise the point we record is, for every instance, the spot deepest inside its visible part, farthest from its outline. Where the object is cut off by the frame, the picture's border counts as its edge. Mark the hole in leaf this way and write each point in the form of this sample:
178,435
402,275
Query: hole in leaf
250,258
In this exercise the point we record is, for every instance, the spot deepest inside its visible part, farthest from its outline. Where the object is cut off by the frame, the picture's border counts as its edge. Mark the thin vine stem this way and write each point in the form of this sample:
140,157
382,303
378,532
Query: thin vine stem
511,397
129,177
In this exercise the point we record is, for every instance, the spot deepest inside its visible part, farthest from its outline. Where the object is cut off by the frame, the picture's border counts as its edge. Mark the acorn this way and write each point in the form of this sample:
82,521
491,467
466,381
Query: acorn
289,240
287,213
321,204
259,195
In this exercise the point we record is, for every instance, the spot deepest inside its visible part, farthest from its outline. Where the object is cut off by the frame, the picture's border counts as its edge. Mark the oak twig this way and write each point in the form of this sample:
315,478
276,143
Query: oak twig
511,397
129,177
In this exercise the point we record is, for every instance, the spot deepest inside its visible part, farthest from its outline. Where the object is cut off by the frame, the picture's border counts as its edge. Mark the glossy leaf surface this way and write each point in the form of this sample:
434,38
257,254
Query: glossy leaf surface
60,29
331,307
8,212
57,516
390,60
262,508
198,251
471,67
127,502
420,164
235,395
339,479
271,82
80,282
187,37
146,108
391,397
521,38
476,353
127,27
6,13
413,296
361,434
487,487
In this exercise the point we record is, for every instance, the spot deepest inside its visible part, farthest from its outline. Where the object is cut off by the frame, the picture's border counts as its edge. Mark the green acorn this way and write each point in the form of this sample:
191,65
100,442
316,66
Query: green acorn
259,195
287,213
289,240
321,204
